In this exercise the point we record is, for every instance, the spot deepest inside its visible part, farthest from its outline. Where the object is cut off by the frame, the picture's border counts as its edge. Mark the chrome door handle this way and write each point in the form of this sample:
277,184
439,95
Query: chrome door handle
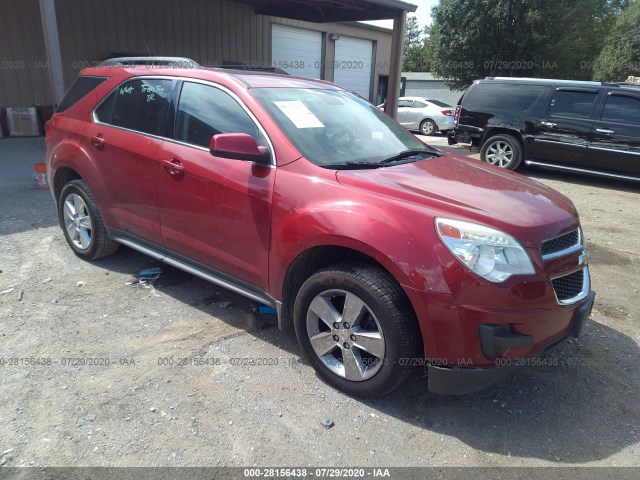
606,131
549,124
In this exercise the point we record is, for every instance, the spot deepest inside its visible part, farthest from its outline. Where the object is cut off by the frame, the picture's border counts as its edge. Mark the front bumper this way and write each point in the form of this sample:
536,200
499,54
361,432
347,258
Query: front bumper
460,380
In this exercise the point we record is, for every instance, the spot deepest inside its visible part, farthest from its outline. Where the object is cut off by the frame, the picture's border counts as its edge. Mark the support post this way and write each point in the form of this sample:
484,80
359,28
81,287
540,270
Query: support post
52,46
395,67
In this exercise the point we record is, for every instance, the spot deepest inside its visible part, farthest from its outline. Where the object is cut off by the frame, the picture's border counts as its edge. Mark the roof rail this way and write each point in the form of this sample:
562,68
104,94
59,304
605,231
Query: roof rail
179,62
251,68
550,80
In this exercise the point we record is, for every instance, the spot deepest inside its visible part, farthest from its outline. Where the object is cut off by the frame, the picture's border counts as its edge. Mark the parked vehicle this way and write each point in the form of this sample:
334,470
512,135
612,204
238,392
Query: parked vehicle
582,127
387,256
426,116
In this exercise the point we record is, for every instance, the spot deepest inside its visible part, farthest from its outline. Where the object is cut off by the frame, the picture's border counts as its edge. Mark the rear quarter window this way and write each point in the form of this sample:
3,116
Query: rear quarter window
80,88
502,96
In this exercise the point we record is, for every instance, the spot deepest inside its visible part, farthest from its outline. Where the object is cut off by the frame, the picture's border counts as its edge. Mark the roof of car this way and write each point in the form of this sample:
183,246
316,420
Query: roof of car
250,79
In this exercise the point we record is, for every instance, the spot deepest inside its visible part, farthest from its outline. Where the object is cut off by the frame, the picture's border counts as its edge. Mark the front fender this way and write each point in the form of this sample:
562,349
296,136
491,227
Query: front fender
403,241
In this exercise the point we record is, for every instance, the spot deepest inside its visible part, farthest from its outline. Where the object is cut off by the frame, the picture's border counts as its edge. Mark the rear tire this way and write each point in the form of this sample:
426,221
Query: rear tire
428,127
503,151
82,223
357,329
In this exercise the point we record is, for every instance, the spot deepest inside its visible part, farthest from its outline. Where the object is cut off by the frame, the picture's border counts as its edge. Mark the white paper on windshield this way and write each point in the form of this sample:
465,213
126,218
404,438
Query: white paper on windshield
377,136
299,114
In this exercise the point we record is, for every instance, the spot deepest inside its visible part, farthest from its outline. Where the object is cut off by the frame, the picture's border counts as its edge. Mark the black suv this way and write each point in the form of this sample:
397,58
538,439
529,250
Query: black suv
585,127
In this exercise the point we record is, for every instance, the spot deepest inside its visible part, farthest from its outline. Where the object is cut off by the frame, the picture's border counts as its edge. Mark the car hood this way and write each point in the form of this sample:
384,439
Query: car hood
456,187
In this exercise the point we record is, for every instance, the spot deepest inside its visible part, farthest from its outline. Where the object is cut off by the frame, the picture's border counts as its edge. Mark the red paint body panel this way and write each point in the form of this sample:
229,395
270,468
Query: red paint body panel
217,212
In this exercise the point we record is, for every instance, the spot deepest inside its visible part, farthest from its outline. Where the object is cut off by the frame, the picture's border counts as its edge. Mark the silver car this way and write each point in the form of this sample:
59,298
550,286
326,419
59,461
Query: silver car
425,115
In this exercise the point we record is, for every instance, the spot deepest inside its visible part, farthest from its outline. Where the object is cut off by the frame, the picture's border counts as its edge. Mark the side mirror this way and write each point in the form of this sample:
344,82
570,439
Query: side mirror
238,146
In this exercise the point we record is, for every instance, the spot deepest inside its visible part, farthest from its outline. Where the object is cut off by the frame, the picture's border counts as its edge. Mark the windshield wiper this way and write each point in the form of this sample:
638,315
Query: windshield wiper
408,154
352,165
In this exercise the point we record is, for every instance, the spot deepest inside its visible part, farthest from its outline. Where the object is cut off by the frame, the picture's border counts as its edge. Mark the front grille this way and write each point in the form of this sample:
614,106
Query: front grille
558,244
569,286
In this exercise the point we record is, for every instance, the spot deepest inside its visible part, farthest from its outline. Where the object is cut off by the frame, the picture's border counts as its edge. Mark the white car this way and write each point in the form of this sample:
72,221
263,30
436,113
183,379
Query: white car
425,115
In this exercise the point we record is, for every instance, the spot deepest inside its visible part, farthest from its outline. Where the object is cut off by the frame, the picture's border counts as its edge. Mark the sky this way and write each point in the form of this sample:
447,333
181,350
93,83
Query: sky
423,13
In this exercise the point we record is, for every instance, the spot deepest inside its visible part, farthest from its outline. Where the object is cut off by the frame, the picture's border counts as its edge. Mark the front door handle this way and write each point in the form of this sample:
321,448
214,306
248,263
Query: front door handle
606,131
97,141
549,124
174,166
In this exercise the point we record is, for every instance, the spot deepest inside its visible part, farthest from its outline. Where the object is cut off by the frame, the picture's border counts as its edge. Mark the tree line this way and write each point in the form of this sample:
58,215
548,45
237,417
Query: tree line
566,39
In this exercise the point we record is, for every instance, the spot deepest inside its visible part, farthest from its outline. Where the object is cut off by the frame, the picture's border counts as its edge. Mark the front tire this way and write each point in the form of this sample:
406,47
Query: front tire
357,329
428,127
82,223
503,151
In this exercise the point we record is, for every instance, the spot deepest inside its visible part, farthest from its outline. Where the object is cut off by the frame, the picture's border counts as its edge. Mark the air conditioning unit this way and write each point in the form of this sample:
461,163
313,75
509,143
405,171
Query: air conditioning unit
22,122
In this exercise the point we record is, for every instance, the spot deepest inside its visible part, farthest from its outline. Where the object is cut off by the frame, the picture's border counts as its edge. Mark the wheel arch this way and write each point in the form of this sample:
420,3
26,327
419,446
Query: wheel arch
62,176
492,132
309,261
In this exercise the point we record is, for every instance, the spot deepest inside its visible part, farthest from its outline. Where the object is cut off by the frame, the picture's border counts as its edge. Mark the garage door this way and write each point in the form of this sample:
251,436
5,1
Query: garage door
296,51
352,68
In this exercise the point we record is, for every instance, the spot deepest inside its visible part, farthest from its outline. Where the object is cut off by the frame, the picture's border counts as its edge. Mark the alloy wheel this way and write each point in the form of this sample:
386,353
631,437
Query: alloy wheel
77,221
345,335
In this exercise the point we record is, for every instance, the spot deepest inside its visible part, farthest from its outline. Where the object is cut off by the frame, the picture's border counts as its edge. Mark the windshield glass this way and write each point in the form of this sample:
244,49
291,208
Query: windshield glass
334,127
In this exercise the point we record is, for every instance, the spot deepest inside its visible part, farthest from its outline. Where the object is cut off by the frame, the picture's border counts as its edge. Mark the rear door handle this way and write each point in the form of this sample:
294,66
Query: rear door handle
606,131
174,166
549,124
97,141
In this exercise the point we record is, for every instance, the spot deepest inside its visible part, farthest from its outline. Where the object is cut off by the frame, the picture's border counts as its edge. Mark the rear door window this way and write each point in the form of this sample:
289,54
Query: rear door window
141,105
80,88
573,103
418,104
503,96
622,109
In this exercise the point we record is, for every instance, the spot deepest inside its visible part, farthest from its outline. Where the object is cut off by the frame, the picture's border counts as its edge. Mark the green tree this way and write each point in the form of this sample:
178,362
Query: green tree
417,53
620,56
533,38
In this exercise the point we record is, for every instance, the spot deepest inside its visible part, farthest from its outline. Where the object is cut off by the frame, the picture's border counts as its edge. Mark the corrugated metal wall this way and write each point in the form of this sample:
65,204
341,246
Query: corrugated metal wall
434,89
24,72
209,31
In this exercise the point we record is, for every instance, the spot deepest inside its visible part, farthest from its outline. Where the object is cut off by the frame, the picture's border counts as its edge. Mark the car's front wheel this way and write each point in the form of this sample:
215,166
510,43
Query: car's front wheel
356,327
82,223
502,151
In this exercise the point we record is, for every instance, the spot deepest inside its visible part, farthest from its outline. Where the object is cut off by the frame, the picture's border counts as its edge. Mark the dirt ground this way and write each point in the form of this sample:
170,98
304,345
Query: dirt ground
97,373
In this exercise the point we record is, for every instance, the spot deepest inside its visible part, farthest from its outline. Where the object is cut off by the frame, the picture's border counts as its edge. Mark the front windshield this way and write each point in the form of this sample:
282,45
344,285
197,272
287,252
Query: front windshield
335,127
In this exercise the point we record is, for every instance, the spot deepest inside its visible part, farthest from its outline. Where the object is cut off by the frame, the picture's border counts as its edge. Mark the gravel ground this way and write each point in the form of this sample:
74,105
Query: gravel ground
97,373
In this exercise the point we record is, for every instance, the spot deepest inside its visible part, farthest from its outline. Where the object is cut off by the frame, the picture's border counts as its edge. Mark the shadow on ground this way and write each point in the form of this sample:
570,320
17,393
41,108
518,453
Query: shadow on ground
560,412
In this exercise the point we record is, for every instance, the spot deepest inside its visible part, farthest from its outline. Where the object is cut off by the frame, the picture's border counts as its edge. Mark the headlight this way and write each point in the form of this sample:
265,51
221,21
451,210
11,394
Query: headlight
490,253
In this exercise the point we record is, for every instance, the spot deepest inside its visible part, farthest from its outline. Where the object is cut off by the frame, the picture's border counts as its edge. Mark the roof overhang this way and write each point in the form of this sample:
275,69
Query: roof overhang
331,10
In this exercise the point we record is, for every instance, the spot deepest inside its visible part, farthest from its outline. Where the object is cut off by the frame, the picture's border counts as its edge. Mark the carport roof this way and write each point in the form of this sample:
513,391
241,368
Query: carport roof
331,10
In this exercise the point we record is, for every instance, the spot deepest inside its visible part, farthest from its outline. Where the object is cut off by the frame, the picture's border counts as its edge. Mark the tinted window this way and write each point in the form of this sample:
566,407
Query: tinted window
622,109
103,112
417,104
205,111
139,105
572,103
502,96
81,87
405,103
439,103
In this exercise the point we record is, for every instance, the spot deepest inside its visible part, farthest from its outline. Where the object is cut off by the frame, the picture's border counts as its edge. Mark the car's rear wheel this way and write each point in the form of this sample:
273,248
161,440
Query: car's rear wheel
503,151
357,329
428,127
82,223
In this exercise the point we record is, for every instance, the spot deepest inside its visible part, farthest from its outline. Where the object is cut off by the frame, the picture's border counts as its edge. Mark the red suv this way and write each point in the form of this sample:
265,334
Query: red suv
383,253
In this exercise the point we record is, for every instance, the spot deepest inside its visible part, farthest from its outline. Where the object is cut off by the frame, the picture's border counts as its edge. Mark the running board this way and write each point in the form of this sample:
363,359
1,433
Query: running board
210,277
581,170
